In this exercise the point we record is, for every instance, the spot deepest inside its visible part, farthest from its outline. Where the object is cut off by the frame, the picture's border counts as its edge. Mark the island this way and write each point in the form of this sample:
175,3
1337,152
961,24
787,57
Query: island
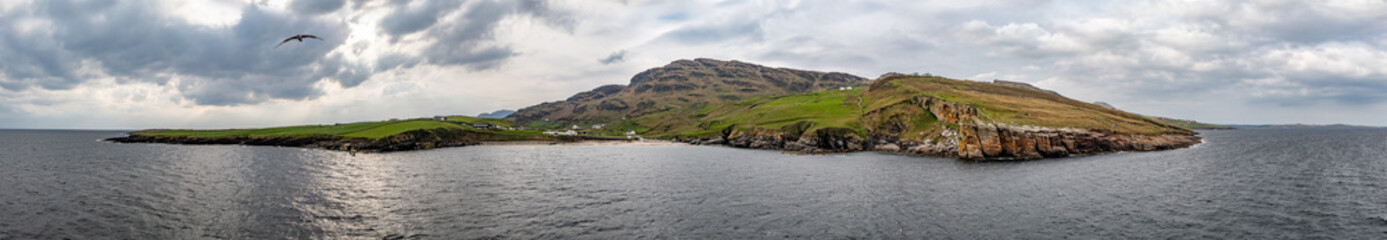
737,104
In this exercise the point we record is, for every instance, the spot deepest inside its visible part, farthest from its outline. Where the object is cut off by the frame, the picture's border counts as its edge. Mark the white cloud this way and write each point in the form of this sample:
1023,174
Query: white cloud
196,64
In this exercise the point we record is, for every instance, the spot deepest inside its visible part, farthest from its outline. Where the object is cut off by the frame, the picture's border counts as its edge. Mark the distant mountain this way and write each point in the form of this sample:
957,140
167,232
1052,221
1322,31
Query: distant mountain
498,114
1191,124
683,83
1104,104
1025,85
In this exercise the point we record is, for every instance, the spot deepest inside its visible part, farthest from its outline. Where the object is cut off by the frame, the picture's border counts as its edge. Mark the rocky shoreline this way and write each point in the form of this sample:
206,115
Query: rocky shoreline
992,143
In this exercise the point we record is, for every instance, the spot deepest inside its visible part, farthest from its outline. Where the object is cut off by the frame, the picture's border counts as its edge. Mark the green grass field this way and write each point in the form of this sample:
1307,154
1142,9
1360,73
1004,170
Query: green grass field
811,111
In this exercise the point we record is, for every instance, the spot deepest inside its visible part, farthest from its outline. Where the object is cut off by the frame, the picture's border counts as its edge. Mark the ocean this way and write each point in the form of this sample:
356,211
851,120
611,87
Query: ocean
1242,184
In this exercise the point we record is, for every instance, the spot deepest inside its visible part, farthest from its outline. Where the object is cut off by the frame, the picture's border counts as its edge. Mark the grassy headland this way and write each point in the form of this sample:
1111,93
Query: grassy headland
366,136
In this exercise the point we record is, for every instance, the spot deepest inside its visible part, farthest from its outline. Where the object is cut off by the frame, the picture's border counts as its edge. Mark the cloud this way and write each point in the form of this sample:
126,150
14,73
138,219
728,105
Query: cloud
59,44
713,33
616,57
128,41
1291,54
409,18
315,7
1229,61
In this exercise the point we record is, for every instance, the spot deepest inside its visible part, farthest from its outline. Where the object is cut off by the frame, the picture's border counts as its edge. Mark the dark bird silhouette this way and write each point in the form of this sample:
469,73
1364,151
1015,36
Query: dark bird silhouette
299,37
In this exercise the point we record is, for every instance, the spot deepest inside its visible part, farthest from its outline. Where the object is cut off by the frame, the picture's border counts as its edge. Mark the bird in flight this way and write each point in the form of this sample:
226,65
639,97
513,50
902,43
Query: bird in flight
299,37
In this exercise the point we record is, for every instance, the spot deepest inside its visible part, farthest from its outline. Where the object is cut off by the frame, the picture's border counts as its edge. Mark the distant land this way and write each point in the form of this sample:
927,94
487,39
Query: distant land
715,102
1191,124
1301,126
498,114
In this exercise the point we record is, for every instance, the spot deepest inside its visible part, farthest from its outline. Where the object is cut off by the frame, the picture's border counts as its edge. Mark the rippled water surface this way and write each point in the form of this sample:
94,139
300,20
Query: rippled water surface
1248,184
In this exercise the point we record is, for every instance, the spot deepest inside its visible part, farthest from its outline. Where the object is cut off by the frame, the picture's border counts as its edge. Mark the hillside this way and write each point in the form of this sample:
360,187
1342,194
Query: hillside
681,84
498,114
924,115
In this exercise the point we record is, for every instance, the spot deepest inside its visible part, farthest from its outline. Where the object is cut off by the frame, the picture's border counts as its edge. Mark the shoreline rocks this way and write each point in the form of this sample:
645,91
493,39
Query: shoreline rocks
988,142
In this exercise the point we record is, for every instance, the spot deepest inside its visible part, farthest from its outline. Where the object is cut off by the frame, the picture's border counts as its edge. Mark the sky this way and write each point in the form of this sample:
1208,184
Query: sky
110,64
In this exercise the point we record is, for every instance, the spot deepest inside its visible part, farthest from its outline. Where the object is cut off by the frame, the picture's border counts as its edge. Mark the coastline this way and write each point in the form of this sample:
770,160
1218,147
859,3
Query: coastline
982,142
358,145
992,143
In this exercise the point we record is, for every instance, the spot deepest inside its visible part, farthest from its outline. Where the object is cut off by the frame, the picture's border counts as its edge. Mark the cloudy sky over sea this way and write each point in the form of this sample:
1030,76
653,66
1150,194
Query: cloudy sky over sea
109,64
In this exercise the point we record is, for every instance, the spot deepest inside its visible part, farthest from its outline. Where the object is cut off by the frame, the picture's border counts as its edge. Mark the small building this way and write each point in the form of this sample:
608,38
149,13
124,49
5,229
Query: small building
564,133
483,126
575,127
440,118
598,126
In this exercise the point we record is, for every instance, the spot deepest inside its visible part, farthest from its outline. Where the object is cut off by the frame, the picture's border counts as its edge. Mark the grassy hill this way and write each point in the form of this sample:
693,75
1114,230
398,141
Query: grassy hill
678,85
870,110
1019,106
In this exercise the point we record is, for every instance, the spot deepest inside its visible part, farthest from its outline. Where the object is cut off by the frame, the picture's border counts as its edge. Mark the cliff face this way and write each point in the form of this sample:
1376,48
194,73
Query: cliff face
979,139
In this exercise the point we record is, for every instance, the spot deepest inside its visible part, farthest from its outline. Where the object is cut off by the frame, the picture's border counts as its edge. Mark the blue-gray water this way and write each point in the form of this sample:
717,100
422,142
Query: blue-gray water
1245,184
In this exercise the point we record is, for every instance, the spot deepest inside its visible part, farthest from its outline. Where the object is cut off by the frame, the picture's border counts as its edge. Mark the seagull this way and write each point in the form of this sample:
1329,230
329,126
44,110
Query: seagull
299,37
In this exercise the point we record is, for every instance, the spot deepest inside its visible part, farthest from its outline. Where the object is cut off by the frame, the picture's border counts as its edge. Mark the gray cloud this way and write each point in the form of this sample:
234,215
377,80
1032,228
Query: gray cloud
466,40
406,20
230,65
315,7
1290,55
616,57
